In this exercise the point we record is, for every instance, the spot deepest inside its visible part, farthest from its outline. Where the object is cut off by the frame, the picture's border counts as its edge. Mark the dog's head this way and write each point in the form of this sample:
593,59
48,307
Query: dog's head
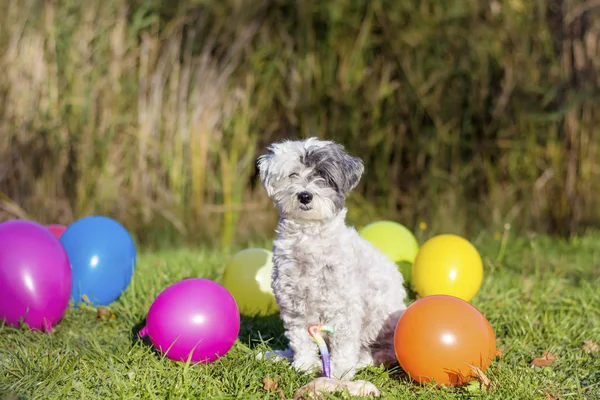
309,179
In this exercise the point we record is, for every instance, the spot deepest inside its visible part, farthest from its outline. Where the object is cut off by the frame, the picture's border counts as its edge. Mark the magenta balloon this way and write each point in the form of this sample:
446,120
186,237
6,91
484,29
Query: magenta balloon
35,275
196,315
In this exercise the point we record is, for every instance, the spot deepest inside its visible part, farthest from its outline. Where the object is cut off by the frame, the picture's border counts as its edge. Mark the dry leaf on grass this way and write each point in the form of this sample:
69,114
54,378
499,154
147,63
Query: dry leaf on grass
269,384
103,313
550,396
590,347
486,384
545,360
499,353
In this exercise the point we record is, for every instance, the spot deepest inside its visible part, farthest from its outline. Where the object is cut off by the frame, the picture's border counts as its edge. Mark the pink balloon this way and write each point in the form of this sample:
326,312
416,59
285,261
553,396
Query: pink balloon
197,316
57,230
35,275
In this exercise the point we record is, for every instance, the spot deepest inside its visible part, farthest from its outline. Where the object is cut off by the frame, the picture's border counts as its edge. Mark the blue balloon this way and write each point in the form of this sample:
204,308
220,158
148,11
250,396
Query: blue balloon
103,258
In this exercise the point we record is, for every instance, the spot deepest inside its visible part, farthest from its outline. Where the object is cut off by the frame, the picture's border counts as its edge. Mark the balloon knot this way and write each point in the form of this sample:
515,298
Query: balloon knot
143,332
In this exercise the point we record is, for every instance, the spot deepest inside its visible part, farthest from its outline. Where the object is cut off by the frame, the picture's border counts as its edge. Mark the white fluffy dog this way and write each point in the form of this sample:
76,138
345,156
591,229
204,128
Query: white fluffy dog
324,272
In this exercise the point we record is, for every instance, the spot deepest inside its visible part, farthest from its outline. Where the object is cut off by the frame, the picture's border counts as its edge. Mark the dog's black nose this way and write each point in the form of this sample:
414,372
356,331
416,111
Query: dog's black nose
305,197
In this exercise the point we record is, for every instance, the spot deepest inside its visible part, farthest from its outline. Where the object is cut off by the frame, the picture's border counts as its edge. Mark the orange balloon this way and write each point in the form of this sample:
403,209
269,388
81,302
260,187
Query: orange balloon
439,335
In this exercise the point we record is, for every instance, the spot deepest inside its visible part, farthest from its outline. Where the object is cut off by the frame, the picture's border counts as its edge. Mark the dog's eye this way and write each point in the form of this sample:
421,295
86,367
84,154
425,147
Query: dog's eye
322,174
293,175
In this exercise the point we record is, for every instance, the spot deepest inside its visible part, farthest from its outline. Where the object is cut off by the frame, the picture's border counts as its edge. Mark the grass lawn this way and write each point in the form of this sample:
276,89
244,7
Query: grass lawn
539,295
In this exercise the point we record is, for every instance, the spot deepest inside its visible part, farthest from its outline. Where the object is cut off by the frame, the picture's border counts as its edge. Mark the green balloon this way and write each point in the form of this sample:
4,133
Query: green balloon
395,241
248,278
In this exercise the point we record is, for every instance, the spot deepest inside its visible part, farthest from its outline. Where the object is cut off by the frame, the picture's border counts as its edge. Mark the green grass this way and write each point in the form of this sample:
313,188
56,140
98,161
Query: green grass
539,294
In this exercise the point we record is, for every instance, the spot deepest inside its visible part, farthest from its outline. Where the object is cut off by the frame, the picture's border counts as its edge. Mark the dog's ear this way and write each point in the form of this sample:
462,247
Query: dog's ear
336,166
264,163
352,168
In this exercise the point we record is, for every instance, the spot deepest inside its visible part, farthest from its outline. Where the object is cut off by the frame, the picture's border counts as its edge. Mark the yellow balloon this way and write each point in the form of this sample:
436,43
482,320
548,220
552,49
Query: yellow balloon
448,264
248,278
395,241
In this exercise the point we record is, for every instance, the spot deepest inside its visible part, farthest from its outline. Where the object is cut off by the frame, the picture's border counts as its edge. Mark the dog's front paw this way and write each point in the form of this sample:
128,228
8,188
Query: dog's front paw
276,355
306,364
343,369
317,387
344,374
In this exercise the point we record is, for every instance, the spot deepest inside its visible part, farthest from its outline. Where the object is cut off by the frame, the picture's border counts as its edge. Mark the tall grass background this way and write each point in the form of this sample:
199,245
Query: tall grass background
467,114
